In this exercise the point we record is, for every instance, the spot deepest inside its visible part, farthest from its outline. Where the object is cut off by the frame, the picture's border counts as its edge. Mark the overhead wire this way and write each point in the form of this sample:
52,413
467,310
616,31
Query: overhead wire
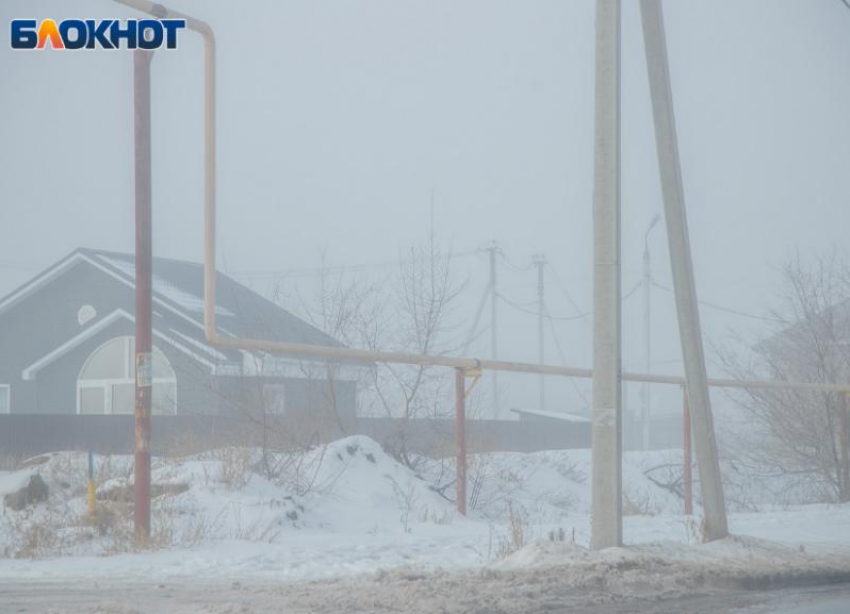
562,355
342,268
729,310
533,312
563,287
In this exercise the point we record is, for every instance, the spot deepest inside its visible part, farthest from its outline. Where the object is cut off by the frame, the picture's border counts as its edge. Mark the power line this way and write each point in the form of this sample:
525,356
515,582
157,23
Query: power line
523,307
517,267
342,268
563,288
736,312
846,3
533,312
563,356
631,292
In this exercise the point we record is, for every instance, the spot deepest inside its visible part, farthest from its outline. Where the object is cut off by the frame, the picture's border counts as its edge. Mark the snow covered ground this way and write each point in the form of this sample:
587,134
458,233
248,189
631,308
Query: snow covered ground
348,509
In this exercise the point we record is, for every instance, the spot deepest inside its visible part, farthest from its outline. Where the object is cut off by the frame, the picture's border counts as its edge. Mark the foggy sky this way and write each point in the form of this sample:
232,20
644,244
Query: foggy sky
337,120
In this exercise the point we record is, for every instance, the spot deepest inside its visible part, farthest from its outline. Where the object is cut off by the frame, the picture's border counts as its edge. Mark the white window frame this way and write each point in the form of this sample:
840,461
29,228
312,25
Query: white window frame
7,390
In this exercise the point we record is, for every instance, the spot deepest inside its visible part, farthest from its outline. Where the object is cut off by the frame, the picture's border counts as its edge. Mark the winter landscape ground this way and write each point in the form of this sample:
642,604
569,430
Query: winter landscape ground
345,527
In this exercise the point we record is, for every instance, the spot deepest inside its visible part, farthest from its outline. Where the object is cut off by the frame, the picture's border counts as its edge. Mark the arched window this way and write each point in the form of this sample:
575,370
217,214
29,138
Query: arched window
107,382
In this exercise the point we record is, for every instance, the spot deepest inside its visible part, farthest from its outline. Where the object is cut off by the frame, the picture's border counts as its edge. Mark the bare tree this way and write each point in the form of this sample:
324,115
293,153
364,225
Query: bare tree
409,310
799,434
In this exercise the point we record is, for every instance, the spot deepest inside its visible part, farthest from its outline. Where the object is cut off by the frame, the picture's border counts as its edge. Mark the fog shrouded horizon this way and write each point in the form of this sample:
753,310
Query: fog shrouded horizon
344,127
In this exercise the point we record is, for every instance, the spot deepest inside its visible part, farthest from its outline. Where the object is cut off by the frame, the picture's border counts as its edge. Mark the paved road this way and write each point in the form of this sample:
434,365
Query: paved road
820,600
186,597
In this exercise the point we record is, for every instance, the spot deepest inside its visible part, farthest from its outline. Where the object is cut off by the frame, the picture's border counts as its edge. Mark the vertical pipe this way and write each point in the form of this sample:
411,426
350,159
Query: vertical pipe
688,456
142,135
209,186
92,498
606,518
681,264
460,438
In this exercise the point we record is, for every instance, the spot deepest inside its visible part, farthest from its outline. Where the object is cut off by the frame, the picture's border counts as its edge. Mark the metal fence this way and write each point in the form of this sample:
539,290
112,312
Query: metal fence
23,435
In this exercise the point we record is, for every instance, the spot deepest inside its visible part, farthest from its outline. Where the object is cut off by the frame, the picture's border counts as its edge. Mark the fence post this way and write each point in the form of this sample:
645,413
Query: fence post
688,462
92,495
460,438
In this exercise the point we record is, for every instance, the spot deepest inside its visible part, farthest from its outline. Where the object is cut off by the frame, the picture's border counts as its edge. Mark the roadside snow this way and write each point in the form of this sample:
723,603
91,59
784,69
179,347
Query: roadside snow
348,509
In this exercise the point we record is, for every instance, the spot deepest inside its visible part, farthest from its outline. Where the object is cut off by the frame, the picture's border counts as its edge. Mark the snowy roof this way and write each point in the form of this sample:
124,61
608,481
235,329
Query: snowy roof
555,415
239,310
178,291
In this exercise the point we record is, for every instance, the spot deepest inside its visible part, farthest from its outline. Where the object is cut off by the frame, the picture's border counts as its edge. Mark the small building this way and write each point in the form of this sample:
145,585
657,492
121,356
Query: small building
577,431
67,346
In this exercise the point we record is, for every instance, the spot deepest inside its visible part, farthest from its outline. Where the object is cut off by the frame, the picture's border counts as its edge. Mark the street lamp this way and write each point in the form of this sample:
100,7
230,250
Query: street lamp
647,290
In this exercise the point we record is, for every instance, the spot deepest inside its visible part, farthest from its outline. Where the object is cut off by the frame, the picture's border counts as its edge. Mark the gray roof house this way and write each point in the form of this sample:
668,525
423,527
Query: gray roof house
67,346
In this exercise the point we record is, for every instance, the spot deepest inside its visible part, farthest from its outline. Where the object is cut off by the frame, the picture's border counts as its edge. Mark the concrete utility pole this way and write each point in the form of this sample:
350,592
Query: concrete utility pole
540,261
606,519
144,365
687,308
494,337
646,409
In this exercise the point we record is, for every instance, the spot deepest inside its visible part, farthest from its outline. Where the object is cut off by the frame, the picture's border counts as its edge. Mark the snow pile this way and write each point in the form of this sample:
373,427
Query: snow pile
552,485
348,509
349,486
564,578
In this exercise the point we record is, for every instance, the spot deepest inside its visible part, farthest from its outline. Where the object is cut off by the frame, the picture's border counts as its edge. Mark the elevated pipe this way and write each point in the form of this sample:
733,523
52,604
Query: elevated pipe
343,353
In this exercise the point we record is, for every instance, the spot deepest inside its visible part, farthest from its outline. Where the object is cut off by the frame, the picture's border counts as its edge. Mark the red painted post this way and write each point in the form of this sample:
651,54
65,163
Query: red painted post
144,375
460,438
688,476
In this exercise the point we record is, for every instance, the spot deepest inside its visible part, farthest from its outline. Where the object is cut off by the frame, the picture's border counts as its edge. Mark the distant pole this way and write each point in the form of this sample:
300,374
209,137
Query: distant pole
460,438
540,261
646,405
142,135
687,308
688,456
606,507
494,336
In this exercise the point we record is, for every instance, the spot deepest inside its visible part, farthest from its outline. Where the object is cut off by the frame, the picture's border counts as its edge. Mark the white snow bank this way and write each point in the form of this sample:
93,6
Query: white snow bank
348,509
348,486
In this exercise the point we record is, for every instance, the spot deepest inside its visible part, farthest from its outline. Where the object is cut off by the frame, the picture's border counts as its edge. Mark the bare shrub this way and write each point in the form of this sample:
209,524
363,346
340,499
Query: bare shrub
801,437
235,466
639,505
559,535
406,499
518,531
33,536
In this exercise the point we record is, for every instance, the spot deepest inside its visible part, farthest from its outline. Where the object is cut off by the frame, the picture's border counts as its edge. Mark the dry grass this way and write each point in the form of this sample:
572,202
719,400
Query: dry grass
518,531
639,506
236,466
9,461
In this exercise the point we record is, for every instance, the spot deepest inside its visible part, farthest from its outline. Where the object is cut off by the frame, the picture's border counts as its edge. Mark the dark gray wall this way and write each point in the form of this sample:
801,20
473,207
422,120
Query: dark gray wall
47,318
27,435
